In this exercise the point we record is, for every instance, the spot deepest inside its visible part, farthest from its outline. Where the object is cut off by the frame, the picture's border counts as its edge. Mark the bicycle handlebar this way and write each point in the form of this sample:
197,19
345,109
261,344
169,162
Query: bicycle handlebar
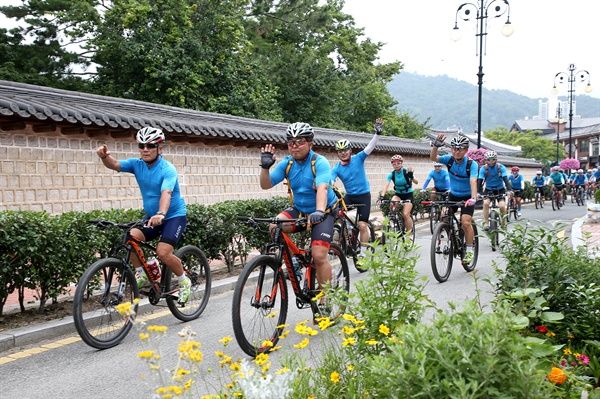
250,220
103,224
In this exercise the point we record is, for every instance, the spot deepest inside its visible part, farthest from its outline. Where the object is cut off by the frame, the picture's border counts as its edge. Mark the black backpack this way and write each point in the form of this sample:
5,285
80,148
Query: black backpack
451,162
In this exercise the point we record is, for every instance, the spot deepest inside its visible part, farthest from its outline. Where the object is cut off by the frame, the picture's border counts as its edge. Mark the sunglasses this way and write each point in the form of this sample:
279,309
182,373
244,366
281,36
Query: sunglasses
149,146
459,148
397,162
490,159
346,150
296,143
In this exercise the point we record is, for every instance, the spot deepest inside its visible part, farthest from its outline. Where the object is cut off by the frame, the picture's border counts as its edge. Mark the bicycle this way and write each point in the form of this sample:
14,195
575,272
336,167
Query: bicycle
579,194
448,242
435,211
495,219
539,198
556,199
512,207
347,234
111,281
260,296
396,223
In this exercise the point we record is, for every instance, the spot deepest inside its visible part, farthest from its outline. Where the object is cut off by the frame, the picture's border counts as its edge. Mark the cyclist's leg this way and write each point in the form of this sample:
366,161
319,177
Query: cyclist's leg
289,213
364,212
486,211
406,210
171,231
320,239
432,195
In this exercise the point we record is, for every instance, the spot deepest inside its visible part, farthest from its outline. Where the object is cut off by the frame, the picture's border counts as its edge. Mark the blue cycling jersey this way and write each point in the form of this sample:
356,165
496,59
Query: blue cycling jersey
153,180
538,182
353,175
400,184
580,180
557,178
460,183
441,180
516,182
492,181
303,182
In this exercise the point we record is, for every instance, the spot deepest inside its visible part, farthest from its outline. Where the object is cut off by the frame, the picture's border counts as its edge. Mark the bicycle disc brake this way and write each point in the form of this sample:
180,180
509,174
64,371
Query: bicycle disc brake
301,304
151,296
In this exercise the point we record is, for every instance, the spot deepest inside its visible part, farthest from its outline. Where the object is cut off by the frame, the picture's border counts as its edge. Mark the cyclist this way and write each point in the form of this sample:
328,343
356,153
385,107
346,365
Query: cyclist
463,182
596,176
565,186
557,180
351,171
580,180
517,182
441,180
539,182
403,179
164,206
495,178
312,195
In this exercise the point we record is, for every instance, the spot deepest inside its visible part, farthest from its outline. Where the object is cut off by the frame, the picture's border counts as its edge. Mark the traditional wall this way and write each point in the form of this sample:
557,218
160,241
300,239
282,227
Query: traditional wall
60,173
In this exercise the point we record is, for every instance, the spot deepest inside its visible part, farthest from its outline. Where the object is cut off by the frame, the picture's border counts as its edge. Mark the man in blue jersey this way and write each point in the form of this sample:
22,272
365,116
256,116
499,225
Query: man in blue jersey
495,178
441,180
580,180
351,171
163,204
403,179
557,181
463,183
517,185
312,195
539,182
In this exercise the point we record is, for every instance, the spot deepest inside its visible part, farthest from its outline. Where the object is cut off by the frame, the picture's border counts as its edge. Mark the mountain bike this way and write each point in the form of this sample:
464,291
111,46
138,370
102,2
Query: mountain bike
111,281
539,198
435,210
448,242
260,296
579,194
556,199
512,209
496,220
347,234
396,223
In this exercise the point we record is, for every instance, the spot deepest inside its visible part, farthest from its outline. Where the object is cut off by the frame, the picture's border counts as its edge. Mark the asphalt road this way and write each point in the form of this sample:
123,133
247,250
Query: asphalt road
65,367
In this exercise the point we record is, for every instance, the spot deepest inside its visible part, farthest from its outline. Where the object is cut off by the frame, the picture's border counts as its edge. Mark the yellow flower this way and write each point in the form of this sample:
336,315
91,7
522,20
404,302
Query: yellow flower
571,336
158,329
266,367
349,341
385,330
557,376
144,336
324,323
358,322
267,343
567,351
335,377
235,367
394,339
350,367
319,296
284,334
146,354
349,317
301,344
225,340
271,315
550,334
219,354
282,371
311,397
348,330
261,359
226,360
371,342
276,348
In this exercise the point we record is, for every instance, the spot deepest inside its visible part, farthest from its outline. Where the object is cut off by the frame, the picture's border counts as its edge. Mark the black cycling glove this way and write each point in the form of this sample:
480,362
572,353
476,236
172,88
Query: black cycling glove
316,217
378,128
266,160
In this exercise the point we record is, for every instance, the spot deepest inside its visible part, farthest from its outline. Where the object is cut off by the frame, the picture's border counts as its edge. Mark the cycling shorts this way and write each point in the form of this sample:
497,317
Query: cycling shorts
364,212
170,231
320,234
464,210
406,196
518,193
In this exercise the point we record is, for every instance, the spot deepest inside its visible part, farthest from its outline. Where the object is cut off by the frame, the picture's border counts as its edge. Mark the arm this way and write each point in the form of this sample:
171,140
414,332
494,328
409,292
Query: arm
107,159
473,182
163,208
266,162
479,186
448,181
371,146
385,188
426,182
506,182
322,190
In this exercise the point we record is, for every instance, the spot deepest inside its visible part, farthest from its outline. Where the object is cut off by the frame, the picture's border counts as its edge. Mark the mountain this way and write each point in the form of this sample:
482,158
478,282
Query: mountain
449,102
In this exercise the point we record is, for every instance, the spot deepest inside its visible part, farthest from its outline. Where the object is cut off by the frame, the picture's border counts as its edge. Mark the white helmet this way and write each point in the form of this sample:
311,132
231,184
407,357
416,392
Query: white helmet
150,135
460,141
300,130
491,154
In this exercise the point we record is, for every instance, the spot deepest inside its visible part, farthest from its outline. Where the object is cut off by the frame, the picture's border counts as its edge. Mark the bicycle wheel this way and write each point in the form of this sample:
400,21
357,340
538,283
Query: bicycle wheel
441,252
356,247
433,217
537,200
97,294
340,283
469,267
338,236
197,270
494,227
396,227
260,305
554,202
413,233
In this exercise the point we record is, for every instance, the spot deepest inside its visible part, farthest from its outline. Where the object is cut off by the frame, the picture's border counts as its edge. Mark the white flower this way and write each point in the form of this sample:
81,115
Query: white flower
256,386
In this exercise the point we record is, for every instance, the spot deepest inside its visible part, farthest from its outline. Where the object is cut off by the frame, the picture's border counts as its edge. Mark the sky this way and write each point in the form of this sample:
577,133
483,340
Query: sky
549,35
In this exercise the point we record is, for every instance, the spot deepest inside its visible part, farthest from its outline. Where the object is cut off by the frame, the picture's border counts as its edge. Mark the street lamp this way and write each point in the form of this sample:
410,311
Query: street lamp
481,9
558,122
582,76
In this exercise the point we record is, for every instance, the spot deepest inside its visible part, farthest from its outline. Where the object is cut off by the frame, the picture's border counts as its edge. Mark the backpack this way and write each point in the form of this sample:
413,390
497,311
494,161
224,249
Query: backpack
408,183
499,171
451,162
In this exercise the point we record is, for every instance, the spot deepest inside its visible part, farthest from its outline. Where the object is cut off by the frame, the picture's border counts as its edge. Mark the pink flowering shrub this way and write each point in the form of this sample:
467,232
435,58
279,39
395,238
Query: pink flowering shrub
478,155
569,163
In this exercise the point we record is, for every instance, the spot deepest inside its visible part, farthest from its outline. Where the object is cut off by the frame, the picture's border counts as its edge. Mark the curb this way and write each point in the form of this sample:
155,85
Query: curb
56,328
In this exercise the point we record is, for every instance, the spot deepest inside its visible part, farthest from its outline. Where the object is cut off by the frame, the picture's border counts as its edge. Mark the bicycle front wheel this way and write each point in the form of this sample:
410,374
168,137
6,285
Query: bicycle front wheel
103,286
395,226
260,305
197,269
441,252
433,217
357,247
494,226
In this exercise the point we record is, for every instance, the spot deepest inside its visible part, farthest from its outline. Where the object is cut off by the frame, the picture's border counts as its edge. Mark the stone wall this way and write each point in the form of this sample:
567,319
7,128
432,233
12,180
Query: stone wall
59,173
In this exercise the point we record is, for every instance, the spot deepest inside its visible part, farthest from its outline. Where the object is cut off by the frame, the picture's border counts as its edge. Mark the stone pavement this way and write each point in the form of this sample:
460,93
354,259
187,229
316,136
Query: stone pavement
586,233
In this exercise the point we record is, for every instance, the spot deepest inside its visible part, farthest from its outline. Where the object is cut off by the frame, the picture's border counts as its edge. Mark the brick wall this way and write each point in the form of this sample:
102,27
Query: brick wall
58,173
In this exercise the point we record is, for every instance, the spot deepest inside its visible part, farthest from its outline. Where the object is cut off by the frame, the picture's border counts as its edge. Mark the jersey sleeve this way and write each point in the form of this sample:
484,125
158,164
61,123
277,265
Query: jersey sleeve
278,174
323,171
389,177
334,172
474,169
127,165
169,177
503,171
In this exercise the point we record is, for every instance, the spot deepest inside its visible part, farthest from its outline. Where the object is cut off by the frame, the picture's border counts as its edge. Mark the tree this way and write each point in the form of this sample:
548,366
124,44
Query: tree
532,145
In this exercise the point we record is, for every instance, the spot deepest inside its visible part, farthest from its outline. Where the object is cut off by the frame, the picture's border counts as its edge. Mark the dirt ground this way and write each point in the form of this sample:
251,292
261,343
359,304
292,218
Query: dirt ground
60,310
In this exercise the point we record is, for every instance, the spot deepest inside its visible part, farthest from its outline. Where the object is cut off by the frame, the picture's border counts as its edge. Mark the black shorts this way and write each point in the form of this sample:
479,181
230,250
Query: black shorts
494,192
170,230
518,193
406,196
364,212
465,210
320,234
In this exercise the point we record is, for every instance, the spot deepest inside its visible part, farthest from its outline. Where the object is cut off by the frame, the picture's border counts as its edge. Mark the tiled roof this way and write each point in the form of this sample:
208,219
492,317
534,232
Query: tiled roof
49,108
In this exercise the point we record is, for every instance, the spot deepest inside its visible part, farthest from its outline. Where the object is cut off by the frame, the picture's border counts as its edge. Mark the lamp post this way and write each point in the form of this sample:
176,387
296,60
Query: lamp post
558,121
582,76
481,10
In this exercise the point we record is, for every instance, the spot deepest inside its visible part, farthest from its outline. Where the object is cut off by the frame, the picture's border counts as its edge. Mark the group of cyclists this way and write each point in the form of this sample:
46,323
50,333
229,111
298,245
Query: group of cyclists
561,182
